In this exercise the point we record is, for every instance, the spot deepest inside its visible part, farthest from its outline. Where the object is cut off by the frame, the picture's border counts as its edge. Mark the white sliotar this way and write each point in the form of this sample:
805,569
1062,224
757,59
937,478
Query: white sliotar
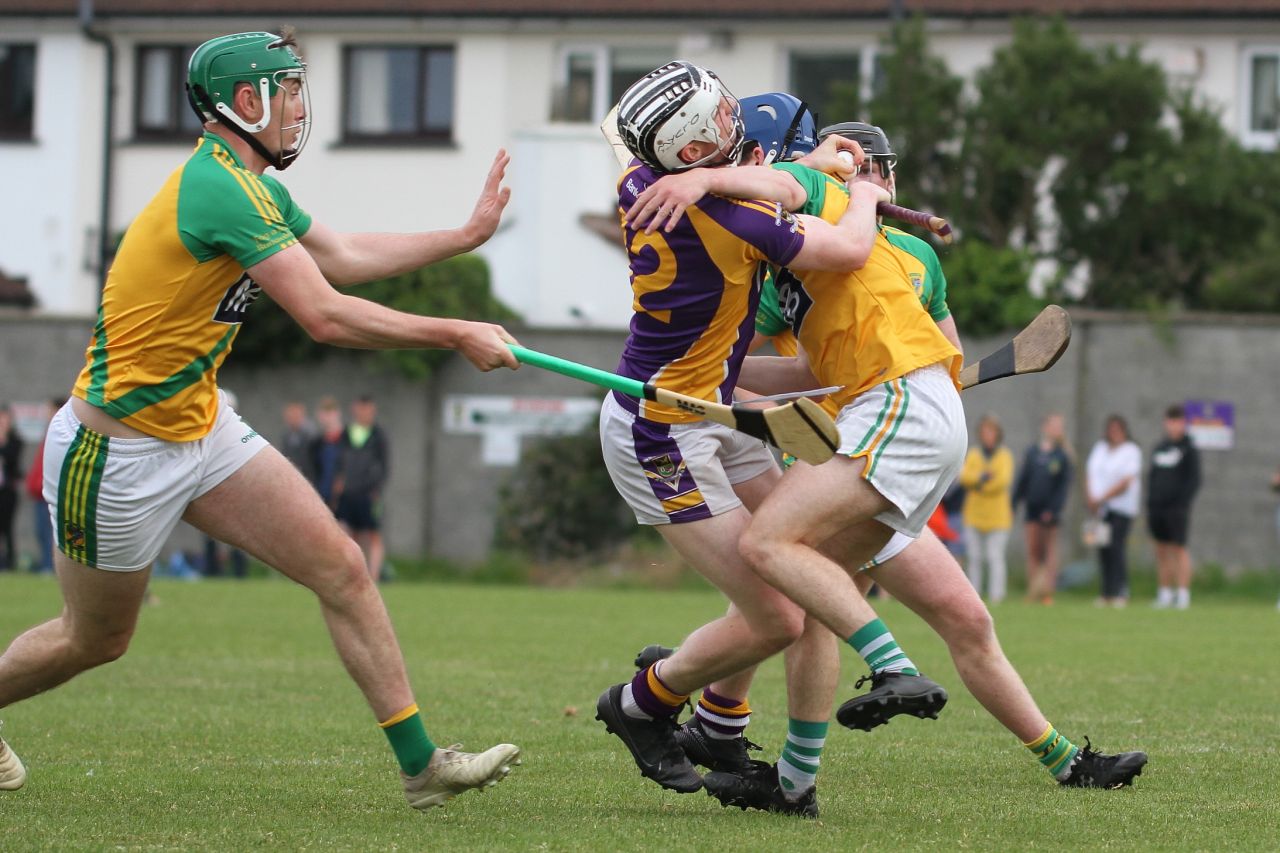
846,156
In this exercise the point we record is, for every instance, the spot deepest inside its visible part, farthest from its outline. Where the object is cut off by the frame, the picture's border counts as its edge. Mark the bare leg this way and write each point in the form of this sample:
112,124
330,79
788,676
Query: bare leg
1181,566
99,615
1052,562
781,542
927,578
813,673
267,509
1165,565
761,623
1034,534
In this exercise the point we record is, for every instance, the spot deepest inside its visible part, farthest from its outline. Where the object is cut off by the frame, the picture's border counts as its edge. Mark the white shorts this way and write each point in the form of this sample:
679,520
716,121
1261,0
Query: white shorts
897,543
114,501
677,473
912,433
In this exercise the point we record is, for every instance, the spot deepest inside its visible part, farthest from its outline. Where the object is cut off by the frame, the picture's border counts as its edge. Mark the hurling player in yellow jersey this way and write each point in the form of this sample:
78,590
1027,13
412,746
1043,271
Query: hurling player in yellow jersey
148,439
920,572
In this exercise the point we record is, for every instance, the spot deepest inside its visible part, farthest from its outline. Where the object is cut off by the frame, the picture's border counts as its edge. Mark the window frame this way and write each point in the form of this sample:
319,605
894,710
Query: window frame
22,131
868,54
420,135
179,106
1256,140
602,54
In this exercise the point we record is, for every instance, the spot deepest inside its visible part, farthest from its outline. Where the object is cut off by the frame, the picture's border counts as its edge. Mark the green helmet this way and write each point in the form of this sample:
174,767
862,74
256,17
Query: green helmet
261,60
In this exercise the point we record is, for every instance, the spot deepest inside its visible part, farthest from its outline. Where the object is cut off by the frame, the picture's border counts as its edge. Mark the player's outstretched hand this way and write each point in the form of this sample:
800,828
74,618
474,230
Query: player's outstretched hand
485,346
827,158
493,199
664,201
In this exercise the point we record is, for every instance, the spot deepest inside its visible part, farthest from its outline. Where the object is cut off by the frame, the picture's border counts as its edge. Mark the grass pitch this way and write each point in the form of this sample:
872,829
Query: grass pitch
230,725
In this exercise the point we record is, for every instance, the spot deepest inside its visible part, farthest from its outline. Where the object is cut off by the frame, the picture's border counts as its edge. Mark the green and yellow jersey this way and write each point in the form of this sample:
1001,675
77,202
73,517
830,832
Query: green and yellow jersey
178,291
868,327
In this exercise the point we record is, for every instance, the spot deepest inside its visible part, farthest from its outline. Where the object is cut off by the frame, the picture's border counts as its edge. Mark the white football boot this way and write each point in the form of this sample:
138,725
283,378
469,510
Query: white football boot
451,773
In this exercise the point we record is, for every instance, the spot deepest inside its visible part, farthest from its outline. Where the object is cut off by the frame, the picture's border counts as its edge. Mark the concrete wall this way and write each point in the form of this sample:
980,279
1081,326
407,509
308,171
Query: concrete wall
442,493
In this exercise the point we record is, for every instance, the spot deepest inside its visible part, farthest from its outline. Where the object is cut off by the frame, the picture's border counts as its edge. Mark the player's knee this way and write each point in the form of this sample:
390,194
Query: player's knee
779,628
101,648
755,547
343,574
971,623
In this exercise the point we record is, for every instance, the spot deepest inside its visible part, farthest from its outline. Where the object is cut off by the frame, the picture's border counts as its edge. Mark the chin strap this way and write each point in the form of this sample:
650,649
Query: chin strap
205,109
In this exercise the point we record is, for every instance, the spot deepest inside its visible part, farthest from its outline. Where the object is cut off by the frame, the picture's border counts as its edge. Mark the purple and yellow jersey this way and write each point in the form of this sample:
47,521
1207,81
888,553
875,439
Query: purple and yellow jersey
178,291
866,327
695,293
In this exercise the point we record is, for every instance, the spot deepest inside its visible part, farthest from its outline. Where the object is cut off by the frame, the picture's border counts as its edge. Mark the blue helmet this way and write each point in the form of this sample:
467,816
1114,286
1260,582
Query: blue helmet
782,124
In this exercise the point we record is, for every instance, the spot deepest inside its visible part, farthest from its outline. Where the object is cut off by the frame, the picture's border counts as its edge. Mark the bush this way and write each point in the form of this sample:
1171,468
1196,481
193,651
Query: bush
560,503
987,288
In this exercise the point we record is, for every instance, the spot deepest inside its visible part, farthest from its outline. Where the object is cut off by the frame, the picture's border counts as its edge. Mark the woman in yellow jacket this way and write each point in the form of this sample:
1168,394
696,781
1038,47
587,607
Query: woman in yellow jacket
987,477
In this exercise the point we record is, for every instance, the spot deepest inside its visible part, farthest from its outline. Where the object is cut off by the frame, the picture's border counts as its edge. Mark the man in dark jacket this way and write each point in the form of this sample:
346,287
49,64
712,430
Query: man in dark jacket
365,466
1172,484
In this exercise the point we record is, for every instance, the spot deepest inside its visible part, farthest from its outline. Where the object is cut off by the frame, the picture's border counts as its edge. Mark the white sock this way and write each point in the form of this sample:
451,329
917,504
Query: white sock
1184,598
1164,597
629,706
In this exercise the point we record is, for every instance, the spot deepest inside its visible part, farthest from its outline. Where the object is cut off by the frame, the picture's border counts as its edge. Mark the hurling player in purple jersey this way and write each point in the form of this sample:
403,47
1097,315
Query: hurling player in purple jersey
695,291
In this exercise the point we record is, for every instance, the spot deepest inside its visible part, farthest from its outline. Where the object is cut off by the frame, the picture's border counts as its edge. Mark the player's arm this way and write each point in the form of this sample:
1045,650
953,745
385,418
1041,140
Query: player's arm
845,246
771,374
351,258
947,326
664,202
293,280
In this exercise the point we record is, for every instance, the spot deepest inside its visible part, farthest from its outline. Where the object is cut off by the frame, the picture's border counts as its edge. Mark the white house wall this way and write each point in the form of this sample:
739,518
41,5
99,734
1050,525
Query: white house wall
545,263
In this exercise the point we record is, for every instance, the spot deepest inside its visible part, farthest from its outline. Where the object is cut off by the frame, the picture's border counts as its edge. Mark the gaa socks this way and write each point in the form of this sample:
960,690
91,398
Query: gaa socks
647,698
409,740
880,650
1055,752
720,717
798,766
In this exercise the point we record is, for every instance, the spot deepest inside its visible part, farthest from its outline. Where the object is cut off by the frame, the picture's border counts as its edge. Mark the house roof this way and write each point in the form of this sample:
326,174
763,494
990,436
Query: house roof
708,9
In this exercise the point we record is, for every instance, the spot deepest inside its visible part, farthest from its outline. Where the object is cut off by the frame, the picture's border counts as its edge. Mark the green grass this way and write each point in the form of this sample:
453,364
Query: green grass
230,725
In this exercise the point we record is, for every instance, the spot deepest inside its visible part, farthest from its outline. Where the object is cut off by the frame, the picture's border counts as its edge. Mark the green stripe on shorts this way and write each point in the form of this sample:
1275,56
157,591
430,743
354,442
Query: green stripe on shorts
902,413
78,485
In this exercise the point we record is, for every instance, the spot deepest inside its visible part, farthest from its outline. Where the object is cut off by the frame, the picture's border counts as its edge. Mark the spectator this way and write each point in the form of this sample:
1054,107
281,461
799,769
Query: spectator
988,512
1172,483
365,466
325,456
43,523
1113,491
295,443
10,476
1042,490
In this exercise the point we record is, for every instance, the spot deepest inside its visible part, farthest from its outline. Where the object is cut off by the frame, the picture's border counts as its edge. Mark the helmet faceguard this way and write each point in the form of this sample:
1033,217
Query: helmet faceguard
782,124
264,61
874,142
673,106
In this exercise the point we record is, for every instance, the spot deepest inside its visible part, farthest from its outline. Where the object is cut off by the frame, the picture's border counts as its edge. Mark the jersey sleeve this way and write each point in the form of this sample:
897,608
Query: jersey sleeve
765,231
769,319
237,213
812,181
935,295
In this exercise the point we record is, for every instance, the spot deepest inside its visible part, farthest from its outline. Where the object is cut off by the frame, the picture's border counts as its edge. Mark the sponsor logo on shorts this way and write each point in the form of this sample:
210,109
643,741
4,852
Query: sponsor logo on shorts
73,535
250,436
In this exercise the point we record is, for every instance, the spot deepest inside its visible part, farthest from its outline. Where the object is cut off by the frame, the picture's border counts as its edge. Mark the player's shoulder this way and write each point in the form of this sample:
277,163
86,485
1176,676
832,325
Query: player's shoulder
908,242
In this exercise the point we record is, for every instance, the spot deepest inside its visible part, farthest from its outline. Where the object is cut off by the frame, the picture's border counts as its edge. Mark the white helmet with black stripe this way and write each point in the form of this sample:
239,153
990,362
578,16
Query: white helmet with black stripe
672,106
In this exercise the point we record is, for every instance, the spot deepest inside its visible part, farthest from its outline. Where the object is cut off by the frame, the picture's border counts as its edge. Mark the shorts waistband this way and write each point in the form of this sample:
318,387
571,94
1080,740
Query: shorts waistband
115,446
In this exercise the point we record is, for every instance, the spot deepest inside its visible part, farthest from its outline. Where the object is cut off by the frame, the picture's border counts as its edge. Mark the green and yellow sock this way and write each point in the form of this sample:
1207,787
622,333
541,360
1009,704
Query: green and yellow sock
1054,751
880,650
798,766
409,740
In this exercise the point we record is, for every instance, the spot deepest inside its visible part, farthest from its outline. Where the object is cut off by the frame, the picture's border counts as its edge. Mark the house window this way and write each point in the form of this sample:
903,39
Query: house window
830,82
593,78
161,110
1261,109
399,94
17,90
